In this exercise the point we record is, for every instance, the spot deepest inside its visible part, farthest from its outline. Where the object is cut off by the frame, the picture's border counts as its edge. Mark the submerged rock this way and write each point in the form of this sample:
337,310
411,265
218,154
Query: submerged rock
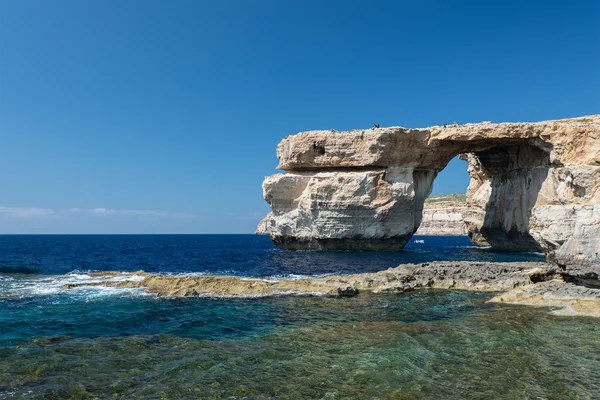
566,298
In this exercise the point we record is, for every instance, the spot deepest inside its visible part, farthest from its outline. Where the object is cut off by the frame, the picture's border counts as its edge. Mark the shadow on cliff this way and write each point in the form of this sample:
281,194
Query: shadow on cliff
514,174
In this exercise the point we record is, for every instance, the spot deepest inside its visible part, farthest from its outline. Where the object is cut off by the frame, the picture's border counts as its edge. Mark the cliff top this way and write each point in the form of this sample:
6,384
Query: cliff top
573,141
460,198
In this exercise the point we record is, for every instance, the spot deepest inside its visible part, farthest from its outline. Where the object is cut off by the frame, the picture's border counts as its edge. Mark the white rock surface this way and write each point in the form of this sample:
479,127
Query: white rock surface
376,209
443,219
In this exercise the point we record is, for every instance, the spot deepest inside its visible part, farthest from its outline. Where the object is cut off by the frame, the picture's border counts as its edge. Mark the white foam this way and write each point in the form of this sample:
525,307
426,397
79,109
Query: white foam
204,273
47,285
287,277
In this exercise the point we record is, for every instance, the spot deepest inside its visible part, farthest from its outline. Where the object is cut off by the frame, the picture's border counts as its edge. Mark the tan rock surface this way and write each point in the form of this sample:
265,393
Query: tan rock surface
482,276
573,141
527,283
565,298
443,216
376,209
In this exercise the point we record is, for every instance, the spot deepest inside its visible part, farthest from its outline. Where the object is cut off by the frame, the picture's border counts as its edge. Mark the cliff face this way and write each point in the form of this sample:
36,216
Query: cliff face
376,209
533,186
263,226
443,216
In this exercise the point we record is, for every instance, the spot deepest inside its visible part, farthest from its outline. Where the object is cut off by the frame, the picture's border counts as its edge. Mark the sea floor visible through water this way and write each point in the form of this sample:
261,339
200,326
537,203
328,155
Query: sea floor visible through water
99,342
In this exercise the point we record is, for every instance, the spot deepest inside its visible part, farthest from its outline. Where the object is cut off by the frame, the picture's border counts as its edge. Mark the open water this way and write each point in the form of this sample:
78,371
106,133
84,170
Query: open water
100,342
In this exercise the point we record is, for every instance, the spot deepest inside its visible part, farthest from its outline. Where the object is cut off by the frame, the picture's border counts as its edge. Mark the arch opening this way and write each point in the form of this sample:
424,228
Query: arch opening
504,185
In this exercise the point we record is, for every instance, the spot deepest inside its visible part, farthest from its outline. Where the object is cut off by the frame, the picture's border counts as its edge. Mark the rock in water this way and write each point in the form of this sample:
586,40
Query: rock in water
534,186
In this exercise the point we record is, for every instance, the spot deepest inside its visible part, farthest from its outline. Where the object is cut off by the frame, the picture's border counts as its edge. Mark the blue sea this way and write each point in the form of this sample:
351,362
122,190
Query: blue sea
103,342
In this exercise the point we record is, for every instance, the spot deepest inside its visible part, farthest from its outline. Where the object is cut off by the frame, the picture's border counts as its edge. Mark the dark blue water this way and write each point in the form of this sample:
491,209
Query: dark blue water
103,342
243,255
34,268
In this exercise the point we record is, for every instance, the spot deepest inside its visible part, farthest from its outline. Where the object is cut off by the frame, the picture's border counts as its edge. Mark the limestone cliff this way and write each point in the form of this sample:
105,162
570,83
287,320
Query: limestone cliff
533,186
263,226
443,216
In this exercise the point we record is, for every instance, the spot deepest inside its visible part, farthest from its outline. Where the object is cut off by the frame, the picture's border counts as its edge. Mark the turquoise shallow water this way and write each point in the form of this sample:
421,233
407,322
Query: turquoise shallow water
427,344
103,342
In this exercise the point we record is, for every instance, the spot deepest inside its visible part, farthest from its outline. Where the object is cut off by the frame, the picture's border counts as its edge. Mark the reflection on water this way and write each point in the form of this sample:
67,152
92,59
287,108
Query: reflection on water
423,345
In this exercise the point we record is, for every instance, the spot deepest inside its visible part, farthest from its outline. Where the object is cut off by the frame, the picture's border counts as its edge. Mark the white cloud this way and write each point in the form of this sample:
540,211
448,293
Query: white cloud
27,212
37,213
101,211
257,215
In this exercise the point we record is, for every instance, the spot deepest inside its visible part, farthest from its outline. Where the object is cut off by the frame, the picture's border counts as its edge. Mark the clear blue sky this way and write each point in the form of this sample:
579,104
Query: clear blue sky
163,116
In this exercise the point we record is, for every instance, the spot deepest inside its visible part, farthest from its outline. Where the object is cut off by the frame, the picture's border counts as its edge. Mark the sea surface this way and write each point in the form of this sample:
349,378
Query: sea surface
100,342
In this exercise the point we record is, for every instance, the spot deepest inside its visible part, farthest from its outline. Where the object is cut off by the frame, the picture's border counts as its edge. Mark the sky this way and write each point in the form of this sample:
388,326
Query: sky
143,116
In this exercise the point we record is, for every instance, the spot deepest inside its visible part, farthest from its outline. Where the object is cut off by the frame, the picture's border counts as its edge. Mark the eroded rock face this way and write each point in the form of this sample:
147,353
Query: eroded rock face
443,218
505,182
376,209
364,189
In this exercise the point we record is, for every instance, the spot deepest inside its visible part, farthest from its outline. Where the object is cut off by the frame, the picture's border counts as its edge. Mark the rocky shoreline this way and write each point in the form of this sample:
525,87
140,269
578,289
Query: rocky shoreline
527,283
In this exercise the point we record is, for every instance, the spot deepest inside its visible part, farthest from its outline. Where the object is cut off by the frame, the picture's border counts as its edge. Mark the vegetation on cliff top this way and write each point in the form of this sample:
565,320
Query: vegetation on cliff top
455,198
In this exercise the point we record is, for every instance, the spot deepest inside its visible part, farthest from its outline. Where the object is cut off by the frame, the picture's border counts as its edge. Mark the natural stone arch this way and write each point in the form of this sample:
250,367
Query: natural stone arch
364,189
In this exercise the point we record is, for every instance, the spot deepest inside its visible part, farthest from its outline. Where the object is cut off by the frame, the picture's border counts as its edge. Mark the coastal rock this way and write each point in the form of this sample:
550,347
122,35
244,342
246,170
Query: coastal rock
443,216
564,298
263,226
570,234
527,283
364,189
376,209
483,276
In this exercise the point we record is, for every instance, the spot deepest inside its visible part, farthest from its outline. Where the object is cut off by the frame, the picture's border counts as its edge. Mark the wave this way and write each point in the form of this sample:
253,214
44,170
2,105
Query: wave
103,285
49,285
289,277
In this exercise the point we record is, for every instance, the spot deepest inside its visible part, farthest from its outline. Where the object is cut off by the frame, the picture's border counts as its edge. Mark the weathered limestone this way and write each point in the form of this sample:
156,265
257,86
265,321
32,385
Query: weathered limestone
363,189
528,283
376,209
443,216
505,183
462,275
263,226
566,298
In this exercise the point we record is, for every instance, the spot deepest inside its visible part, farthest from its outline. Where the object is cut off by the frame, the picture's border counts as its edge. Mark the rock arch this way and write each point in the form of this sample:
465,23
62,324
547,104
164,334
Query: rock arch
534,186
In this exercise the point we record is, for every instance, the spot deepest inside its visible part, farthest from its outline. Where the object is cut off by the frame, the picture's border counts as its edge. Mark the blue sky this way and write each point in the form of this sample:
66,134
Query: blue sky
163,116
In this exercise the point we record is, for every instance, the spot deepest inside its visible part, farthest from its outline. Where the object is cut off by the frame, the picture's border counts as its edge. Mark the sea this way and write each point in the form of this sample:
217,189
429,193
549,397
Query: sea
106,343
